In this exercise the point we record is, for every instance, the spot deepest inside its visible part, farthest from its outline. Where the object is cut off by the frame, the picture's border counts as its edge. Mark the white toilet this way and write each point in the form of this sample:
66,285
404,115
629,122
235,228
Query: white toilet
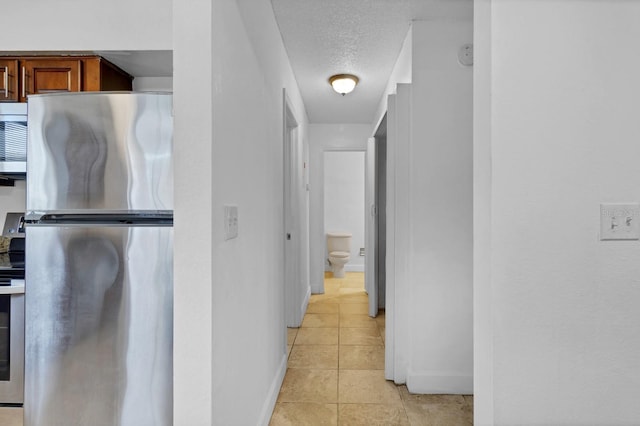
339,247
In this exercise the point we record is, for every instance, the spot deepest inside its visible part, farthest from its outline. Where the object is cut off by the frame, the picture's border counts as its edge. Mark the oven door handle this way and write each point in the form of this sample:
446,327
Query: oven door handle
16,287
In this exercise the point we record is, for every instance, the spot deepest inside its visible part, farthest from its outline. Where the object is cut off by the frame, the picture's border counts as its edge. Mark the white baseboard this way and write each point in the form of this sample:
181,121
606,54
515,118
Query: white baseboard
430,382
317,288
274,391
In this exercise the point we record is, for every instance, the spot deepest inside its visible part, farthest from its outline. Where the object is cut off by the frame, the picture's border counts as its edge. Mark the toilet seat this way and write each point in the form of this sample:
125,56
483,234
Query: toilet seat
339,254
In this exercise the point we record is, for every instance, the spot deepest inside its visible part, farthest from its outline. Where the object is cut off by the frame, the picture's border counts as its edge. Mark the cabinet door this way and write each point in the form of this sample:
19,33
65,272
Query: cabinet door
9,80
51,76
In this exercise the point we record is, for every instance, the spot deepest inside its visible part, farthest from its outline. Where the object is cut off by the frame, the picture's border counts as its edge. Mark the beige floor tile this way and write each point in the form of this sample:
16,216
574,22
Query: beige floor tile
325,298
350,297
291,335
289,347
351,290
430,399
305,385
438,414
372,415
354,308
11,416
360,336
332,284
323,308
314,356
357,321
320,320
365,387
304,414
317,336
353,283
361,357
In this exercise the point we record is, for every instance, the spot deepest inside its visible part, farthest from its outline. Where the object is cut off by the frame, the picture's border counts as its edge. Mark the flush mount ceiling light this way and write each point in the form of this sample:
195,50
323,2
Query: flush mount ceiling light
343,83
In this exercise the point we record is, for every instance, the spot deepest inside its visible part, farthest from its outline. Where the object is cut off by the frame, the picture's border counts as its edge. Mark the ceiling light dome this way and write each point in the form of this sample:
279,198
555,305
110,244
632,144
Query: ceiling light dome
343,83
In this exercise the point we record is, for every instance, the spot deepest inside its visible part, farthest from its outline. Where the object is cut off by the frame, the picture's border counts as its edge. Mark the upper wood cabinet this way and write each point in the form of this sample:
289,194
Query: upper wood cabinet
9,80
24,76
50,76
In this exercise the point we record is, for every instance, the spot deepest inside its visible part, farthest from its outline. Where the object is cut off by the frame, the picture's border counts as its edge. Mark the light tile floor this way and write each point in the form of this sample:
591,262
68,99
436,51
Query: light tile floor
335,374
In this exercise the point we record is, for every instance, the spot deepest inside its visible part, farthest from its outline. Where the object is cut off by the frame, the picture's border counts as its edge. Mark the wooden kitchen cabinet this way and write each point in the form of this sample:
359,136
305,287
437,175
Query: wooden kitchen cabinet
30,75
50,76
9,80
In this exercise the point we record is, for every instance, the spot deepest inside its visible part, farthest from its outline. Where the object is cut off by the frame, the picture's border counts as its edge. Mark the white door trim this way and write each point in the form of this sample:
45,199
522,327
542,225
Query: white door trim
293,182
370,221
398,234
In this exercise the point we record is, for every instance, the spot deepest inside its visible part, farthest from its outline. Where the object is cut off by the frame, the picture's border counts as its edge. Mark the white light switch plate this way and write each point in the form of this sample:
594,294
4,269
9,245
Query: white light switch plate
620,221
230,222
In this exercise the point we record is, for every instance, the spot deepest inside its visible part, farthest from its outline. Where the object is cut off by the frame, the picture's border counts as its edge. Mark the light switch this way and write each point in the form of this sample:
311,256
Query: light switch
230,222
620,221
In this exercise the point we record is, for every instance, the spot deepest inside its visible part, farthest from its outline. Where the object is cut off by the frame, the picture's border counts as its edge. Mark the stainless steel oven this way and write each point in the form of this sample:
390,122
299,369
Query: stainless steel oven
12,310
11,341
13,138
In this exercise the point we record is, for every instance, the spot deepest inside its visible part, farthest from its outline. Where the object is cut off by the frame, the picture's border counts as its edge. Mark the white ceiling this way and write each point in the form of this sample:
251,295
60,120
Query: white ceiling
361,37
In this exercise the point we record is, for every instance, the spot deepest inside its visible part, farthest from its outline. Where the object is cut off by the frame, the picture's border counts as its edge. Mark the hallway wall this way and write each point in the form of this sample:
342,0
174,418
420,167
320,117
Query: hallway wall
440,288
562,331
326,137
241,294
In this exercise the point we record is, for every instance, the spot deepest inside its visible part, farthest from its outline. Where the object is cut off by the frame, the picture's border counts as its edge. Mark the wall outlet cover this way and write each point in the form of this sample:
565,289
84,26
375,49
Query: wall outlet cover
620,221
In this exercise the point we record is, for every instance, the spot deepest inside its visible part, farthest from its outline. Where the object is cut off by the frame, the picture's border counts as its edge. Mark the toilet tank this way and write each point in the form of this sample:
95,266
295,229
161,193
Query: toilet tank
339,241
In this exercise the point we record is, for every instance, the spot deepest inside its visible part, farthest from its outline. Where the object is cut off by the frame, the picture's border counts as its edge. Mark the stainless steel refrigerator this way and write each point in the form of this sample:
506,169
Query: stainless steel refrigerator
99,253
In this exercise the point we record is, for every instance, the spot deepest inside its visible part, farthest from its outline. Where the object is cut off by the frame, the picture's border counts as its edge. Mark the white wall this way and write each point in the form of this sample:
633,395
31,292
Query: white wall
401,73
12,199
344,201
565,334
439,290
482,319
87,25
326,137
229,150
153,84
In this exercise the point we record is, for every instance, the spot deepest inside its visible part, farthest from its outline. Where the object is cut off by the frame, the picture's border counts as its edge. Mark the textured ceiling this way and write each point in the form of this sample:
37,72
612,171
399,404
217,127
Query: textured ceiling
361,37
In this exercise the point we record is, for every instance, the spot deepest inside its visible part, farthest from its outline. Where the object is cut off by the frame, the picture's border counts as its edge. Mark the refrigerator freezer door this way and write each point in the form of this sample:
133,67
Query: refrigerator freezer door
99,326
100,151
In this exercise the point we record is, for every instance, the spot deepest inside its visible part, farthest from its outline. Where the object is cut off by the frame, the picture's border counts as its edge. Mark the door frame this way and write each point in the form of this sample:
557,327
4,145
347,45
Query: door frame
292,189
370,226
398,234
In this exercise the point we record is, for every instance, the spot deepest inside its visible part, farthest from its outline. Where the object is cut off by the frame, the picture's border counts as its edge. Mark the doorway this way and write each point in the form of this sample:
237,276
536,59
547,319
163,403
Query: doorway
344,208
377,220
296,288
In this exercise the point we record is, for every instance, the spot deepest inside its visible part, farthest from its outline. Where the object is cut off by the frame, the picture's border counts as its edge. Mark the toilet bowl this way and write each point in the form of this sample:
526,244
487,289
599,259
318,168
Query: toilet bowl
339,248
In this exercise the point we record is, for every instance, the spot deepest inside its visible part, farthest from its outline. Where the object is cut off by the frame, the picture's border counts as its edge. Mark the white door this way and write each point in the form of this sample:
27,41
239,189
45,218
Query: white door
370,223
292,215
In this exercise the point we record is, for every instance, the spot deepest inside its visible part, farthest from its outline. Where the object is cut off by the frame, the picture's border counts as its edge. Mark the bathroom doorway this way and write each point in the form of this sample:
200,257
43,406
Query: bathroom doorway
344,205
376,218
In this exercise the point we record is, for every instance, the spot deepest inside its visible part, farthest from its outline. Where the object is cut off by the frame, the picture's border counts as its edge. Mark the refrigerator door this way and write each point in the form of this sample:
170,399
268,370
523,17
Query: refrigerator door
100,151
99,326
